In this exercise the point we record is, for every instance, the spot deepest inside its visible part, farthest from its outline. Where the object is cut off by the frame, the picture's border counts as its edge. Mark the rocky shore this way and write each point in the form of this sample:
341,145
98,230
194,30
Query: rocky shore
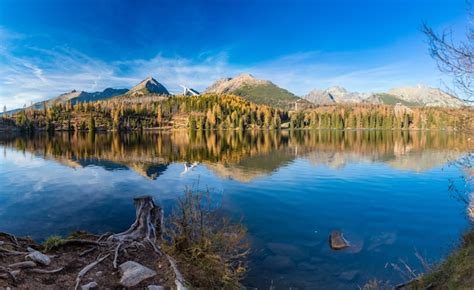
132,259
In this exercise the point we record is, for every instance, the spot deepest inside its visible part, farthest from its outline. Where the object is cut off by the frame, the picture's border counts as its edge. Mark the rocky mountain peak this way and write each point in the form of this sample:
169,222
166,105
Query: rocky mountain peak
418,95
149,86
427,96
229,85
334,94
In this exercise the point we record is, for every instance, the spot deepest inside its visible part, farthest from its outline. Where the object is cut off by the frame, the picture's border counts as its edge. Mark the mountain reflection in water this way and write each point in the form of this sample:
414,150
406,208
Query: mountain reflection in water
387,191
245,156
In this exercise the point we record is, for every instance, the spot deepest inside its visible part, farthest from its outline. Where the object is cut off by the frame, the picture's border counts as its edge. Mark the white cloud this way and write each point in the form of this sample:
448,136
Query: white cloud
41,73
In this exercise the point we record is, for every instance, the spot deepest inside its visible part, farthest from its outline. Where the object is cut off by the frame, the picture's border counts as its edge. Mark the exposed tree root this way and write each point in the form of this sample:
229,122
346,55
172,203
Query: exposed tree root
42,271
104,236
85,252
87,268
22,265
117,249
7,274
179,280
11,237
404,284
11,252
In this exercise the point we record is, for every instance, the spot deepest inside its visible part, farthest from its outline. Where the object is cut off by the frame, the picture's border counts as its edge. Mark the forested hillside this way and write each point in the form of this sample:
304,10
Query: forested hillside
213,111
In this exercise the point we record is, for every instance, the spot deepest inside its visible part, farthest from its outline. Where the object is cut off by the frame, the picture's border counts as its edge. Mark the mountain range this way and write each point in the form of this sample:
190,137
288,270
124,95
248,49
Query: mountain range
267,93
419,95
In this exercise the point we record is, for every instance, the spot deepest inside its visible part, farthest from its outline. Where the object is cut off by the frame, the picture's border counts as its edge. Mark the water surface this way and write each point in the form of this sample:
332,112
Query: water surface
386,190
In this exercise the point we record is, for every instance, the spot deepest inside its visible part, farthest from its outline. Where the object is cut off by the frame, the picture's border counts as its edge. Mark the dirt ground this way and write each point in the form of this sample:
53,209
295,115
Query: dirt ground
72,255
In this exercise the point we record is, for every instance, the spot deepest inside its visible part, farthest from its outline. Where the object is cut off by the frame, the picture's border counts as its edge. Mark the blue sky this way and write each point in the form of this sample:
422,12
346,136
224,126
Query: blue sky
50,47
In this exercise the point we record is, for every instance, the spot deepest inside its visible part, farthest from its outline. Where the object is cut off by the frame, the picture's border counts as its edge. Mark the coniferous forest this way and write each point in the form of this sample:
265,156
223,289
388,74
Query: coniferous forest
224,112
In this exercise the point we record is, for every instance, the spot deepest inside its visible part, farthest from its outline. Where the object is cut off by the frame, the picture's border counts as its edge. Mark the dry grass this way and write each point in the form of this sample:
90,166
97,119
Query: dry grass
456,272
211,251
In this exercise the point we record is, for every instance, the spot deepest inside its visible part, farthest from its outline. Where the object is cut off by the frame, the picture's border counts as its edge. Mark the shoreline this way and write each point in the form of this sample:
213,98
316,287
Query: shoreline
133,258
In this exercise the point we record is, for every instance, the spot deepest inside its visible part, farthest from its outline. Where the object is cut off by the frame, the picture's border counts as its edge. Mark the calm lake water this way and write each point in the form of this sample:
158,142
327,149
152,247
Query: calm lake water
387,191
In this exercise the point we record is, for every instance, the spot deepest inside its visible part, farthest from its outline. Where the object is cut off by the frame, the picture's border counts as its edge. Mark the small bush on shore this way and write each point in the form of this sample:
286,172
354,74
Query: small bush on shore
51,242
211,250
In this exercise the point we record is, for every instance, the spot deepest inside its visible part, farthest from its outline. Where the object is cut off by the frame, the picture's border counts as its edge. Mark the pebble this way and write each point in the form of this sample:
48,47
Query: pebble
89,286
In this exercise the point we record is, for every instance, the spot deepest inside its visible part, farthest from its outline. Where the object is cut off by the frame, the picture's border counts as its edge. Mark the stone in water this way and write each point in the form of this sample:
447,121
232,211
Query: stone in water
337,241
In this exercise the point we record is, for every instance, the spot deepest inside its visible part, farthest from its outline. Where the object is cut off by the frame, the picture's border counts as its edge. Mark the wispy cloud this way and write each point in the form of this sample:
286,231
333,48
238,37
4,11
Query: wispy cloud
34,73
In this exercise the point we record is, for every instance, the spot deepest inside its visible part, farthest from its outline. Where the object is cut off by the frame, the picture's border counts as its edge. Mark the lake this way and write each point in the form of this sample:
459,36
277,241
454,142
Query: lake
391,193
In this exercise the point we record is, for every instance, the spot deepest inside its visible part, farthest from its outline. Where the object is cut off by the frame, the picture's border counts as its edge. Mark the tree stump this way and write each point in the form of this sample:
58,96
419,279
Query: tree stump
147,225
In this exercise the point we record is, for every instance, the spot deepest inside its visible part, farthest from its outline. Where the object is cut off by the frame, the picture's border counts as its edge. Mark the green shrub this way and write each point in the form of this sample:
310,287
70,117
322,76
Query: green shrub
51,242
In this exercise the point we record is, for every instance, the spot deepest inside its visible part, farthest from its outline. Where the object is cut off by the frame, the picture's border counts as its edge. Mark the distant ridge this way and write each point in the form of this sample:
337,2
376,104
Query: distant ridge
75,97
145,87
428,96
265,92
334,95
415,96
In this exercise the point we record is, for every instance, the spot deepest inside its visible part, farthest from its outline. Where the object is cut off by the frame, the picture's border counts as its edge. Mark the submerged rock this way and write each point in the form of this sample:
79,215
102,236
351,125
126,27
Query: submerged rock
383,239
278,263
155,287
305,266
38,257
348,276
337,241
133,273
281,249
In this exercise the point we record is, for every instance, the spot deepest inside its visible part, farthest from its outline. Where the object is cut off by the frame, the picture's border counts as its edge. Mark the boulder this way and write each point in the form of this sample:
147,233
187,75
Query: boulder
337,241
155,287
132,273
38,257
